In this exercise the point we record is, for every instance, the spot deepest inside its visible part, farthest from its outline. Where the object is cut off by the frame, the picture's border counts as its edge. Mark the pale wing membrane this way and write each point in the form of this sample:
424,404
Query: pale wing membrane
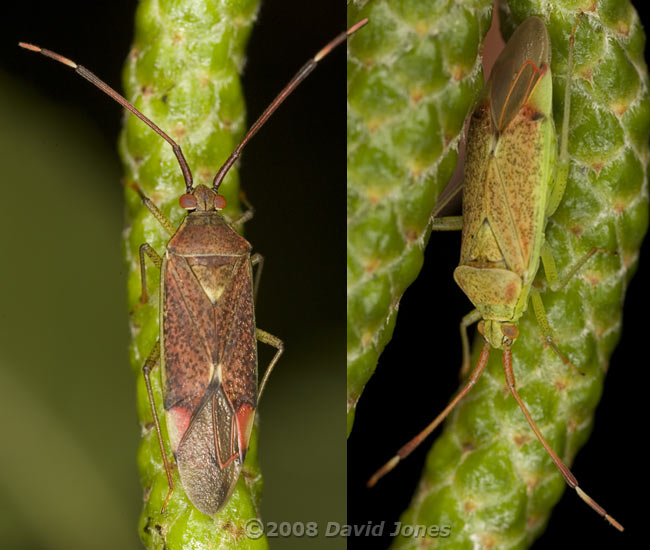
514,74
206,482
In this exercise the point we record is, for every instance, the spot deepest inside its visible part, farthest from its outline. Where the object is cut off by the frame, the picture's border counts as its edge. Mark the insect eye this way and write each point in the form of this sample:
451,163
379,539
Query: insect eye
187,201
510,331
219,202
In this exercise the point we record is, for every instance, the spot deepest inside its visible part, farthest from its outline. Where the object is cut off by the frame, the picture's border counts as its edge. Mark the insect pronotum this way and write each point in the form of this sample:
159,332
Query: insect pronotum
207,346
514,180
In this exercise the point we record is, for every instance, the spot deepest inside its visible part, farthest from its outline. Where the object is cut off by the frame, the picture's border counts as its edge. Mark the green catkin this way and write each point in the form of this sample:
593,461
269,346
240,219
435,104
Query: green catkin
487,477
413,76
183,73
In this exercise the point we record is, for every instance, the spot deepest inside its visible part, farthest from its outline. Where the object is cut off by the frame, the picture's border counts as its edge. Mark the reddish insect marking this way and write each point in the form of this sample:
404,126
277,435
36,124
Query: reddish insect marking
622,27
245,418
467,447
510,331
182,418
534,77
531,113
512,289
458,72
593,278
416,96
520,439
576,230
187,201
220,202
421,28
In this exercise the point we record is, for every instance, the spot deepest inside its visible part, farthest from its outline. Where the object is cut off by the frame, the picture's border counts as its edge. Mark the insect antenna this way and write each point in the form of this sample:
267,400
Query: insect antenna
90,77
413,443
290,87
564,470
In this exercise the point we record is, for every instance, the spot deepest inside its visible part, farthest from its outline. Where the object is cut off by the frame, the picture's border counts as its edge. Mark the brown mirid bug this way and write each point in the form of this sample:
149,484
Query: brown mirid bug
207,346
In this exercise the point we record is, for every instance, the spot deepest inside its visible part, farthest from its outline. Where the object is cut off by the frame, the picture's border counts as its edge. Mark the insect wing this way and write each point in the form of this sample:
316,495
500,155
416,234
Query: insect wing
209,361
239,363
189,334
208,456
520,174
517,70
508,168
479,146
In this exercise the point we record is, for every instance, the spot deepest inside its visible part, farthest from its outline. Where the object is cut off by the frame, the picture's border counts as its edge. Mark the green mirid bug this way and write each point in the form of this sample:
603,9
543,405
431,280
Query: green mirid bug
514,181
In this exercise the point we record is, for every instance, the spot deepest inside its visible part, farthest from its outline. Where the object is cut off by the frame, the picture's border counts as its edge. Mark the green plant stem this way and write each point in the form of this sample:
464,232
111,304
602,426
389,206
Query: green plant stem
413,76
183,73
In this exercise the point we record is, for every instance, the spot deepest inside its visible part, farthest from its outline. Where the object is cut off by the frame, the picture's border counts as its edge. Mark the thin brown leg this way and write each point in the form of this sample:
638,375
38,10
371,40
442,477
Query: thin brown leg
411,445
147,249
245,216
278,344
564,470
155,211
468,320
149,364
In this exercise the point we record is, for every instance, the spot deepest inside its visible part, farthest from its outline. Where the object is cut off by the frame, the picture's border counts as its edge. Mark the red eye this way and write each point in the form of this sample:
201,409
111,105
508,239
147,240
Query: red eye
219,202
187,201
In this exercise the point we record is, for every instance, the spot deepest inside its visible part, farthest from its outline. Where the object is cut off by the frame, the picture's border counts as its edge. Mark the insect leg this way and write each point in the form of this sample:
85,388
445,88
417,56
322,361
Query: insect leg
555,283
149,364
566,473
162,219
246,216
545,327
411,445
258,260
278,344
472,317
562,170
448,223
147,249
550,269
447,196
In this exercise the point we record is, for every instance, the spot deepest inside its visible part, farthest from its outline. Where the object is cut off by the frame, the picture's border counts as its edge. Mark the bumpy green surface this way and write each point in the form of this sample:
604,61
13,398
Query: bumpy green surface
182,72
487,477
413,76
